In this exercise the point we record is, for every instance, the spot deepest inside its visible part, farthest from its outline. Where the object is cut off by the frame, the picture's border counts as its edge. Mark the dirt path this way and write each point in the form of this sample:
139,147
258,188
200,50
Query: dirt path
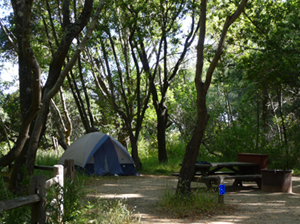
253,206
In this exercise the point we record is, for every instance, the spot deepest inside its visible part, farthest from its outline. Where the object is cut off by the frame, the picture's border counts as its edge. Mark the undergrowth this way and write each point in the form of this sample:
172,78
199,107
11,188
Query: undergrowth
80,208
112,211
197,204
19,215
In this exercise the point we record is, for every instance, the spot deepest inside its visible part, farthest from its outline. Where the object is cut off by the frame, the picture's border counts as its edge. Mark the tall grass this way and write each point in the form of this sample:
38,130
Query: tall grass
110,211
49,157
199,203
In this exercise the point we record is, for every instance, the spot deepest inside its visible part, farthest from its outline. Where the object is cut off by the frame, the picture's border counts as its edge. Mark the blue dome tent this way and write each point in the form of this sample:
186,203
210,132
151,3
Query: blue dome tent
100,154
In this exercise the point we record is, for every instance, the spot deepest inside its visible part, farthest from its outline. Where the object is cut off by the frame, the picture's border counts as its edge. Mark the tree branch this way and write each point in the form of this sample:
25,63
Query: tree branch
228,22
4,28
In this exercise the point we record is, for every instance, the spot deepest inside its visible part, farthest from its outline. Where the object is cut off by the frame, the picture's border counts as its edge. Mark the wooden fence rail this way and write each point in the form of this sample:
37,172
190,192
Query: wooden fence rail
37,193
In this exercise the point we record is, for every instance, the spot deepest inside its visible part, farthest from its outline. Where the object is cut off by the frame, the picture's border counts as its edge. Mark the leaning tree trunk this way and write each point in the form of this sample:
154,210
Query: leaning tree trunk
192,149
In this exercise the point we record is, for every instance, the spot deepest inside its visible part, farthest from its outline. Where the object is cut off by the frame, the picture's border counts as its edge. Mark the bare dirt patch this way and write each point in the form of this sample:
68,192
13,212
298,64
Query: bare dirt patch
252,205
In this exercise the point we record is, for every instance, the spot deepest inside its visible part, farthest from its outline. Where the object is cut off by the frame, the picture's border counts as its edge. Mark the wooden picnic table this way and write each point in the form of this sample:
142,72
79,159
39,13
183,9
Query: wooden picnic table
239,171
240,168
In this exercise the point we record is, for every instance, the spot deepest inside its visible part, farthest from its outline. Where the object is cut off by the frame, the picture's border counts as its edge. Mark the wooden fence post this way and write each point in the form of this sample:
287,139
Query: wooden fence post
69,164
59,171
38,210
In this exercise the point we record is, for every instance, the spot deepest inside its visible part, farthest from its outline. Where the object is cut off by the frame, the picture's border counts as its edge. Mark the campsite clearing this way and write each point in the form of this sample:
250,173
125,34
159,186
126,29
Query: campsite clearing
251,204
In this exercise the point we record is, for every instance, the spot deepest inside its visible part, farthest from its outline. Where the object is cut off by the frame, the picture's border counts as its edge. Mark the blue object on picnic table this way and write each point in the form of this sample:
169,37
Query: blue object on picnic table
202,162
221,189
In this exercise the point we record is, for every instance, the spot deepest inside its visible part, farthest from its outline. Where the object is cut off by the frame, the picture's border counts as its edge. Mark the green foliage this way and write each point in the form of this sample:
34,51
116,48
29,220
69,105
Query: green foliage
152,166
10,116
16,216
149,152
232,141
175,144
107,211
49,157
69,196
182,101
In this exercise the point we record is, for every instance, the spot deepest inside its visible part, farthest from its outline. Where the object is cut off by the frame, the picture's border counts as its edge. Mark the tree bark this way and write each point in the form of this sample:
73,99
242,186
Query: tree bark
69,128
264,110
257,123
29,108
192,150
162,119
89,118
59,123
134,152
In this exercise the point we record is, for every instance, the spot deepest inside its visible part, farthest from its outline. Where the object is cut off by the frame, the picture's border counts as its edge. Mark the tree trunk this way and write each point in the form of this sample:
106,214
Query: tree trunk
18,173
69,128
161,134
265,110
78,101
59,123
257,123
134,152
192,150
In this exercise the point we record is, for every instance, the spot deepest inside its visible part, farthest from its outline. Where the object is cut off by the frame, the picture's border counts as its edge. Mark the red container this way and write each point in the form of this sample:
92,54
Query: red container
261,159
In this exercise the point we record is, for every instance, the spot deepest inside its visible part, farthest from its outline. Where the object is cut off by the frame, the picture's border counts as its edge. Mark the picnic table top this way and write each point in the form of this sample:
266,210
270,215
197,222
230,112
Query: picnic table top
226,164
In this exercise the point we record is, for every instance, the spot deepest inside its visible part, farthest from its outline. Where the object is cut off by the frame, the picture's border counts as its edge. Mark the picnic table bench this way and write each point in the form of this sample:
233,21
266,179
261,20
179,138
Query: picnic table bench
208,180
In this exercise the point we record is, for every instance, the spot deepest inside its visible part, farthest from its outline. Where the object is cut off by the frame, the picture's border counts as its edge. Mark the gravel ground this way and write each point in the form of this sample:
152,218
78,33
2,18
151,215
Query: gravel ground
252,205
